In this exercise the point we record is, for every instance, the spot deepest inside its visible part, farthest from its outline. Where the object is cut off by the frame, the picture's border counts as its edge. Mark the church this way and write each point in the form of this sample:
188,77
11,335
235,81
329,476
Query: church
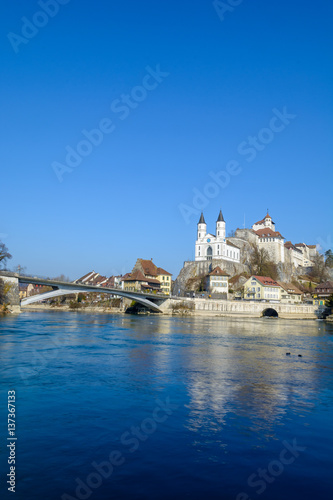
214,247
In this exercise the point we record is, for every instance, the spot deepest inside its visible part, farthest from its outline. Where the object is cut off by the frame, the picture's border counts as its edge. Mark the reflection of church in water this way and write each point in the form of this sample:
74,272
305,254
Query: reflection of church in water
209,246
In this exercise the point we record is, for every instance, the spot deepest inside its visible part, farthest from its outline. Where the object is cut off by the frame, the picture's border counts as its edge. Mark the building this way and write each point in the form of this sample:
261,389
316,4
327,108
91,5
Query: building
269,239
217,281
95,279
262,288
290,294
322,293
151,271
209,246
138,282
272,241
308,253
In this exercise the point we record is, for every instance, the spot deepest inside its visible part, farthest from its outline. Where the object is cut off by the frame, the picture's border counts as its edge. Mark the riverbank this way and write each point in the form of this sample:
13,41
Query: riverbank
66,308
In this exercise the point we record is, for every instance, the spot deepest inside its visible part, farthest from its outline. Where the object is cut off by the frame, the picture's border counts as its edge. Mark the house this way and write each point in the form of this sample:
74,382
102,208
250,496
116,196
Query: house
322,293
209,246
217,281
290,294
152,272
93,279
138,282
262,288
112,282
293,255
87,279
23,288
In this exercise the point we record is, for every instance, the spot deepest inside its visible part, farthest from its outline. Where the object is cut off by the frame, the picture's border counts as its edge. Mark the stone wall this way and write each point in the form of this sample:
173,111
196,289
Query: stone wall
229,308
12,297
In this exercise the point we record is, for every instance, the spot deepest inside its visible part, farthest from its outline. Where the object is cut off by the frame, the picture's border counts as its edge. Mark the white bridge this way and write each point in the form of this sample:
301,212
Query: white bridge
149,300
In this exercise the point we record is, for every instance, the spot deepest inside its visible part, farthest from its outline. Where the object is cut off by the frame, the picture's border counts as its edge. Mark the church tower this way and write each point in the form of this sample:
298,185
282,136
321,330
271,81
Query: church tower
202,227
220,227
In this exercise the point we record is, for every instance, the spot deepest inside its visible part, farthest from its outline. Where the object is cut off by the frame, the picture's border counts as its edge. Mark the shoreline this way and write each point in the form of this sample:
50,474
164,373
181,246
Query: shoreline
66,308
167,313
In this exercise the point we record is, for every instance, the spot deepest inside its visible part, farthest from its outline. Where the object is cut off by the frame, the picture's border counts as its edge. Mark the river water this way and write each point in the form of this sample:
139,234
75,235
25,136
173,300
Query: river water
153,407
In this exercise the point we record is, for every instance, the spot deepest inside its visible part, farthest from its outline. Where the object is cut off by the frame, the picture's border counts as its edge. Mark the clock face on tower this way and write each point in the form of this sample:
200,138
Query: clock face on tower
208,240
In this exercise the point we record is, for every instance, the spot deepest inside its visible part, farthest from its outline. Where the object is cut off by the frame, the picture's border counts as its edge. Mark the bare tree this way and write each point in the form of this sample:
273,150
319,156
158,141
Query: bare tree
4,254
319,269
260,264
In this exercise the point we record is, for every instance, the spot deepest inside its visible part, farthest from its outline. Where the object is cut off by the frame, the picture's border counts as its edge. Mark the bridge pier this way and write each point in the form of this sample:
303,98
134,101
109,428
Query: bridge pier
12,295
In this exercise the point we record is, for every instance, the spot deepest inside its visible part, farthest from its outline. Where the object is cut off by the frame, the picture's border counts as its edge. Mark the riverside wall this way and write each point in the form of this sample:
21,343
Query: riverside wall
12,298
231,308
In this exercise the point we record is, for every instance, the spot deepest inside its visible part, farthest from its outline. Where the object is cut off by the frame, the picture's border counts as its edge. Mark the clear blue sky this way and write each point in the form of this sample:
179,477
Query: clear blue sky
224,79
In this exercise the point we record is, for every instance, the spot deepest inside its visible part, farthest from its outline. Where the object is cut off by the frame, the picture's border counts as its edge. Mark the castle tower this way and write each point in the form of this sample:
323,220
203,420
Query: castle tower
202,227
220,227
268,222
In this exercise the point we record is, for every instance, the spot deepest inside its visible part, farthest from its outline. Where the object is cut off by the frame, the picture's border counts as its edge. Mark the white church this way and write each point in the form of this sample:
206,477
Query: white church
209,246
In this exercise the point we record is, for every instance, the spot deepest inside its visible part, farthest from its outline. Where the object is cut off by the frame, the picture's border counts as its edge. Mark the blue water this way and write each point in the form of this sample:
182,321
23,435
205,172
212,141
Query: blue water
183,407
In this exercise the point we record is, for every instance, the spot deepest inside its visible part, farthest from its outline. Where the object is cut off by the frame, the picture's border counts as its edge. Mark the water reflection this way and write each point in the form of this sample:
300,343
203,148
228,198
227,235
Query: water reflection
243,368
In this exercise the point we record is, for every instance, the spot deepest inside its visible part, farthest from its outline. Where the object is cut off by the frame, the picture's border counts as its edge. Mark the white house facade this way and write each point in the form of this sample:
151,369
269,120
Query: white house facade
209,246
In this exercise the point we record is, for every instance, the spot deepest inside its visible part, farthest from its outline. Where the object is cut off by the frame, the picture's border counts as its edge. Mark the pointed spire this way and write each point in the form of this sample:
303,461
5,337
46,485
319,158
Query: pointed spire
202,219
220,219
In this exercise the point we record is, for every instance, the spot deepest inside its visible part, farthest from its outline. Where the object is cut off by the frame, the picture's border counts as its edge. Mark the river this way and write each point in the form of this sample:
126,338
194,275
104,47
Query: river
156,407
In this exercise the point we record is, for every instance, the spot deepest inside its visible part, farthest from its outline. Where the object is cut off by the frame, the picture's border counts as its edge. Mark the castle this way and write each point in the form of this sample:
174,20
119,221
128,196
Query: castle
262,233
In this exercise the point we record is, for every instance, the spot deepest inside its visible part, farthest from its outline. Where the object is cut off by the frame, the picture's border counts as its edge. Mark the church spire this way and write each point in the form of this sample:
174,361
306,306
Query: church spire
220,218
202,219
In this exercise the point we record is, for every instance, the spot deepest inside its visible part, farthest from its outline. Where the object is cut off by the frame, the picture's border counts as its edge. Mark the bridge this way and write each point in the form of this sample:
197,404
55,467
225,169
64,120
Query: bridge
159,302
151,301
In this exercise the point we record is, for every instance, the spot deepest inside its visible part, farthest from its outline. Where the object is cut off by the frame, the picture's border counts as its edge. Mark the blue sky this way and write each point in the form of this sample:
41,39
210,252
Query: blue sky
219,79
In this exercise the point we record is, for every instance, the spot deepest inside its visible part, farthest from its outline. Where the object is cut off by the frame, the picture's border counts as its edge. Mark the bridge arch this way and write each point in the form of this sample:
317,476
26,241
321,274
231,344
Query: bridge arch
269,312
67,291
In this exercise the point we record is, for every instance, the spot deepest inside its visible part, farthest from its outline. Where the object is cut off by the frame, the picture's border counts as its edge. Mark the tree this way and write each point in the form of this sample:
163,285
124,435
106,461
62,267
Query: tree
329,258
4,289
4,254
62,277
329,301
260,264
231,233
319,269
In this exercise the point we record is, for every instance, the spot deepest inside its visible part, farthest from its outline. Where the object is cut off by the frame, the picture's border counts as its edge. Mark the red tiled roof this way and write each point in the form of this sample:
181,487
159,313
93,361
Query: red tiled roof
327,284
217,271
97,280
136,276
267,231
148,267
162,271
266,280
288,287
127,275
289,245
86,276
